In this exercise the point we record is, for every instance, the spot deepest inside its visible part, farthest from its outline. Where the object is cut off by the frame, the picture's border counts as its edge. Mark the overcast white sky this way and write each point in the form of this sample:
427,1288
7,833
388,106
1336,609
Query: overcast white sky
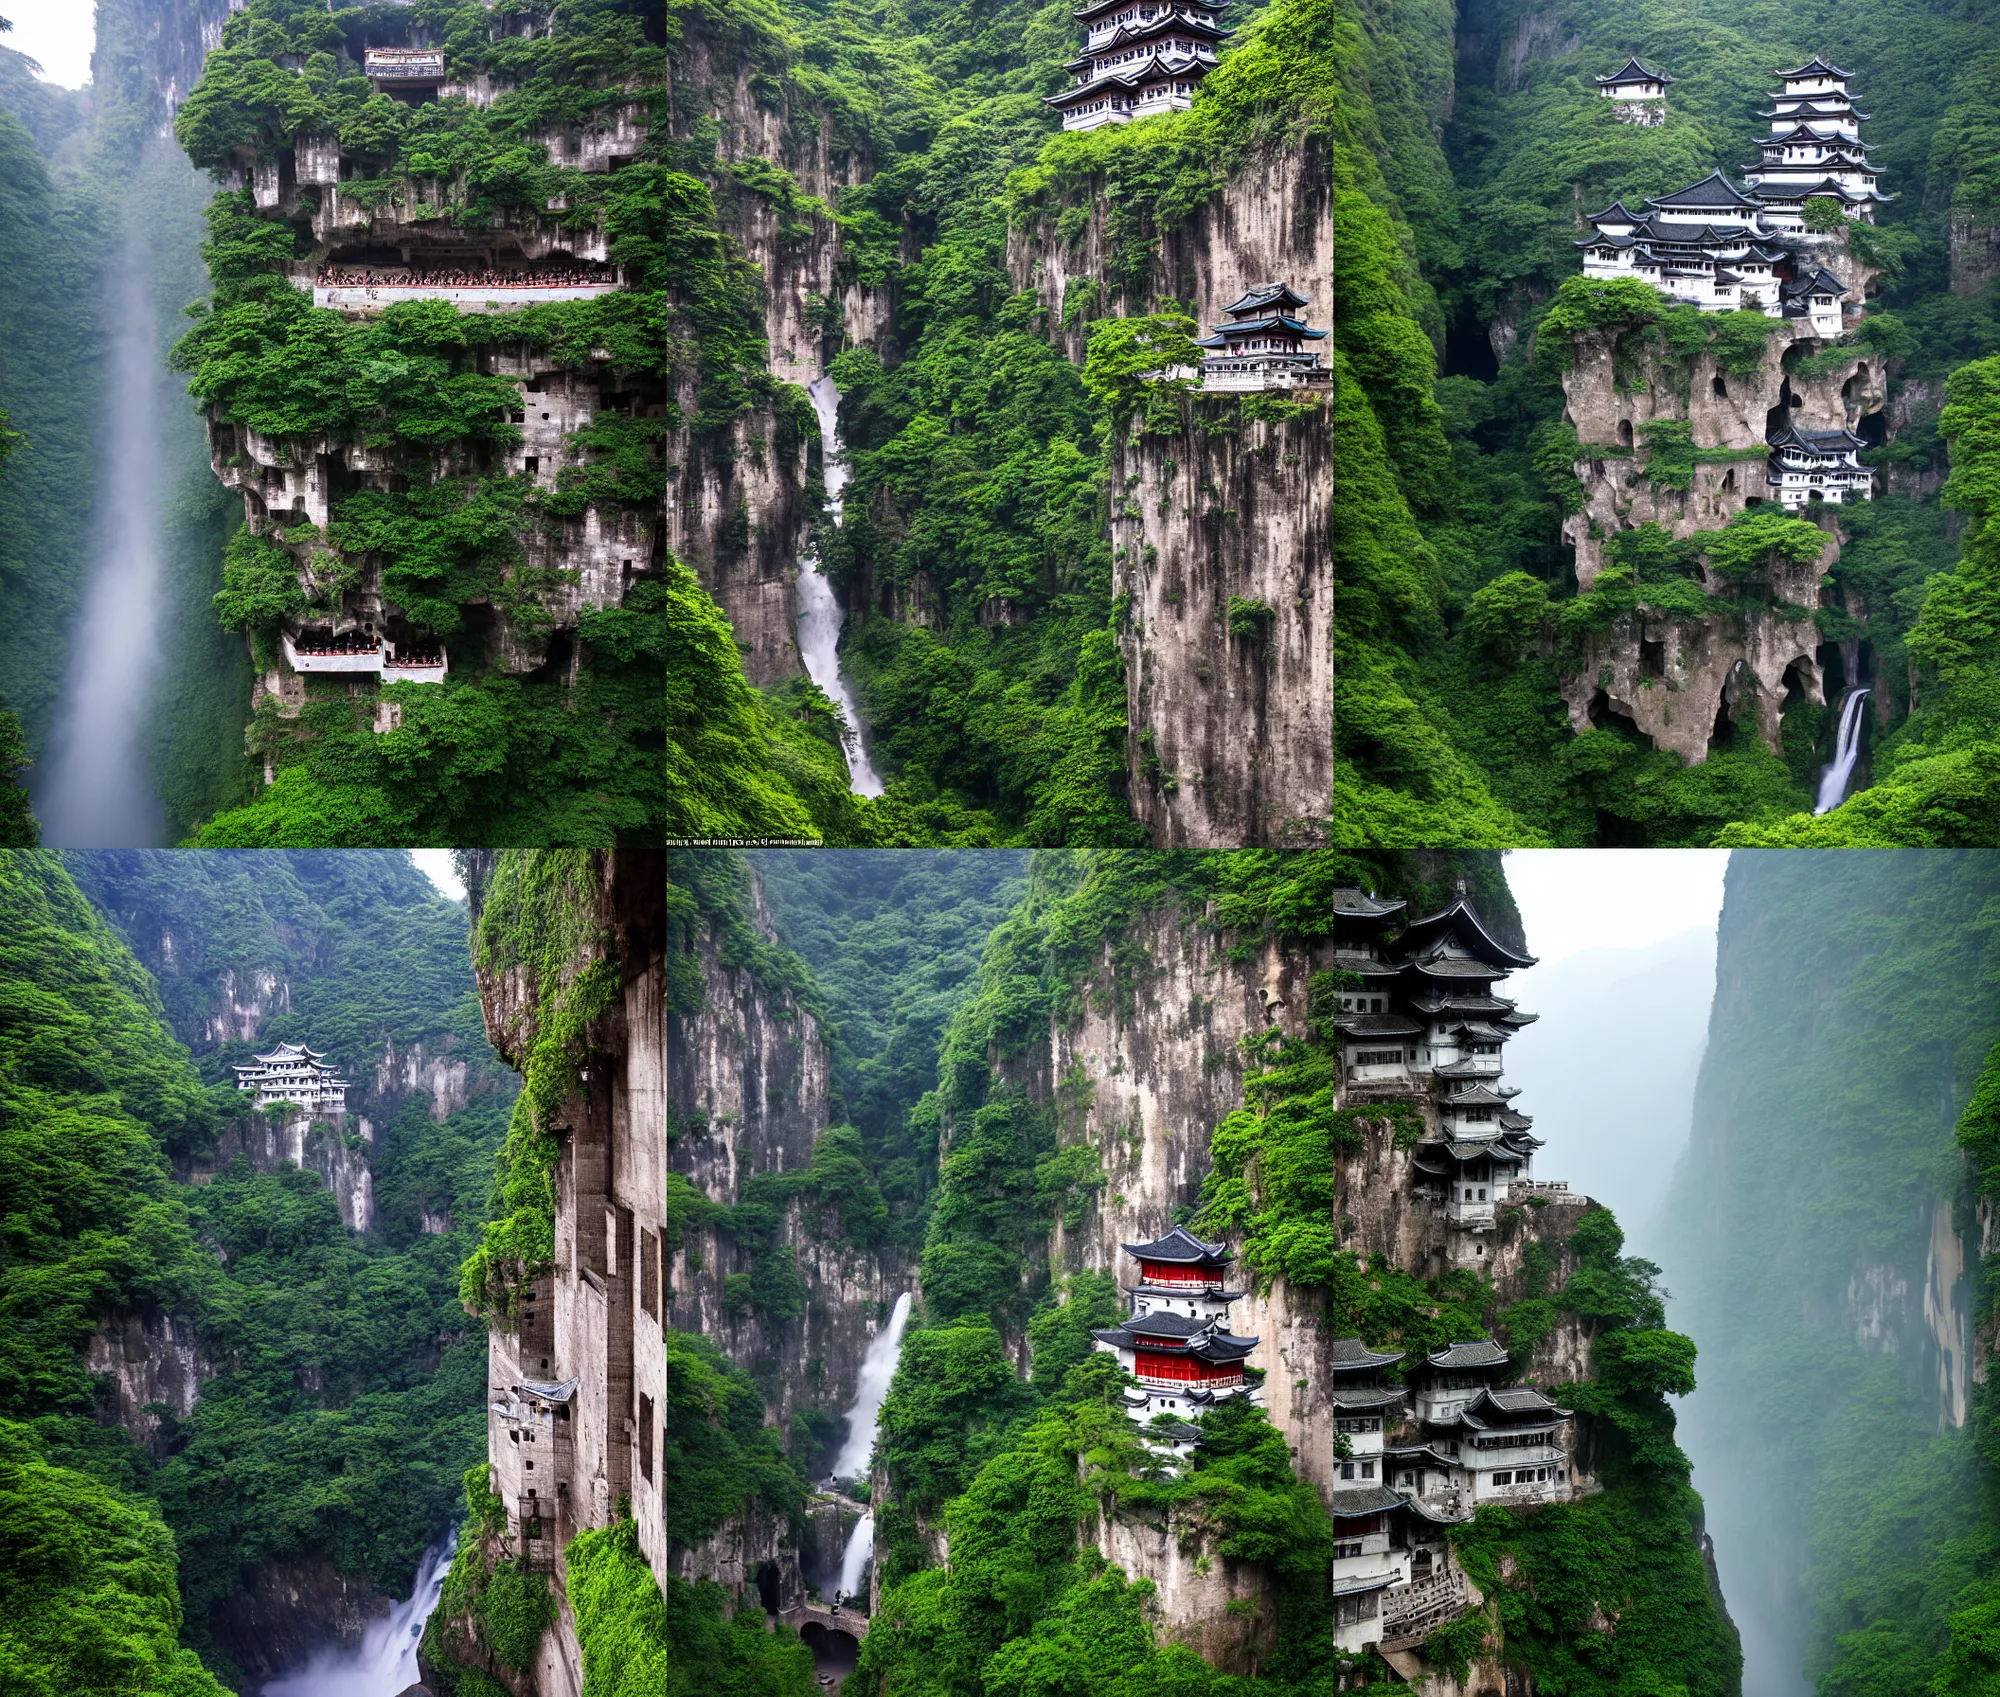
435,864
59,33
1577,899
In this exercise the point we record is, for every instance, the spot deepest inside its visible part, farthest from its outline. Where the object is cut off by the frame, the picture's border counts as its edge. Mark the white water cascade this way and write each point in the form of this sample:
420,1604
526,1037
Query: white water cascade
1835,776
819,613
878,1367
385,1661
94,791
859,1553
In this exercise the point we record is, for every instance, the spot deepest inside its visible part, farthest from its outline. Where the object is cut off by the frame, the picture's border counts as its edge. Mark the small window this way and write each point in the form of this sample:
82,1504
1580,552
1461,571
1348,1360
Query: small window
1347,1470
1503,1478
1368,1470
646,1437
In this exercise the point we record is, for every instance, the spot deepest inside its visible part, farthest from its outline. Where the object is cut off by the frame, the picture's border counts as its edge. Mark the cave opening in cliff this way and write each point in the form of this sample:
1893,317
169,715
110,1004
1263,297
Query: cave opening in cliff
1624,433
1722,734
1832,670
1873,428
1720,388
1468,351
1652,657
559,662
1864,662
1797,688
768,1591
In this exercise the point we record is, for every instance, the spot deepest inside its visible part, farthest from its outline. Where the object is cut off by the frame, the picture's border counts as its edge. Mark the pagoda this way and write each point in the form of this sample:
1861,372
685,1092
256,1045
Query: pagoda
293,1075
1176,1341
1814,149
1264,343
1640,95
1140,57
1817,465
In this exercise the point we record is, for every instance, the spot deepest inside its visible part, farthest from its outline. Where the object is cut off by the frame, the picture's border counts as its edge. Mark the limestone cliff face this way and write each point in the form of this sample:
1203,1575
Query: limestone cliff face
1221,541
1146,1077
1273,221
741,515
152,1359
749,1084
1219,532
1680,679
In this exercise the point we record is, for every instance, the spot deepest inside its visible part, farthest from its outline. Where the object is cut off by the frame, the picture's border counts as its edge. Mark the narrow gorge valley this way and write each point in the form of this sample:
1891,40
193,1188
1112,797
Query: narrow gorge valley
285,1282
969,1114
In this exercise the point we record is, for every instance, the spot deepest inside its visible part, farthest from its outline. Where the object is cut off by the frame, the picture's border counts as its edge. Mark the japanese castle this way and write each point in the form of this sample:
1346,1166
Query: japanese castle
1264,343
296,1076
1140,57
1725,248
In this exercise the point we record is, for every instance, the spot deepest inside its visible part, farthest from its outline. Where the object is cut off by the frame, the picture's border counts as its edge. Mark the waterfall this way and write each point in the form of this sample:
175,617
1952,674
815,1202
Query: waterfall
859,1553
385,1661
819,612
1835,775
878,1367
93,790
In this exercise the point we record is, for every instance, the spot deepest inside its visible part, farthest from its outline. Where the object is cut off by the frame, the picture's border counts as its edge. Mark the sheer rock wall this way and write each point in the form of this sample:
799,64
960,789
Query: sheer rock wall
749,1083
1222,542
1230,735
1676,677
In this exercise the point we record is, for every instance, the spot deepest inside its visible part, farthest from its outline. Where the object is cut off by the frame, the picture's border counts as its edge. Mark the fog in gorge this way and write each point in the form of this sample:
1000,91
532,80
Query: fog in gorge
146,733
93,790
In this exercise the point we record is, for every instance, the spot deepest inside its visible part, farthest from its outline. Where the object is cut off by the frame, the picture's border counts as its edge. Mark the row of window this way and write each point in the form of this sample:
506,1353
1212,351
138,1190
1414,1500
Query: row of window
1532,1476
1347,1470
1358,1423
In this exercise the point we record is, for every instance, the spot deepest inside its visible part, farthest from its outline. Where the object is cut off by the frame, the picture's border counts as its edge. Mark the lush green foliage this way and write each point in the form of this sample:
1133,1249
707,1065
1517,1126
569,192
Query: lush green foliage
568,754
621,1615
92,1608
347,1388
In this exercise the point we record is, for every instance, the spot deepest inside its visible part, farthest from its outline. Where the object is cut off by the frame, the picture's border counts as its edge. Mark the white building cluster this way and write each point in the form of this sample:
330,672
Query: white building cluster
1725,248
292,1075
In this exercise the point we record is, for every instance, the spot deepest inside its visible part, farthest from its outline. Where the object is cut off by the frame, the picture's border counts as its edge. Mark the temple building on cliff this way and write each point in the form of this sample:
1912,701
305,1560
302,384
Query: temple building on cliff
1729,249
292,1075
1265,342
1817,465
1470,1441
1140,57
1639,95
1176,1341
1423,1015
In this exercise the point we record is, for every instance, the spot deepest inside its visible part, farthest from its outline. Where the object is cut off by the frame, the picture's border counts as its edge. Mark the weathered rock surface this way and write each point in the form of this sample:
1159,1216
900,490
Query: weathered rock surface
291,1609
1222,543
1680,680
153,1362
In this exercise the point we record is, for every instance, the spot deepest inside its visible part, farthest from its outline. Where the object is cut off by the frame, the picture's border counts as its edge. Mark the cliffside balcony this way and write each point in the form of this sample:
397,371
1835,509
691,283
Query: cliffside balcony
391,68
1263,371
415,666
361,289
321,653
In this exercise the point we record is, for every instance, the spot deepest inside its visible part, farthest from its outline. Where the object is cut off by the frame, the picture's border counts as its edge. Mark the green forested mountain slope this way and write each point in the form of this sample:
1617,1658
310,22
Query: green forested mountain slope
1455,636
345,1399
1824,1232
